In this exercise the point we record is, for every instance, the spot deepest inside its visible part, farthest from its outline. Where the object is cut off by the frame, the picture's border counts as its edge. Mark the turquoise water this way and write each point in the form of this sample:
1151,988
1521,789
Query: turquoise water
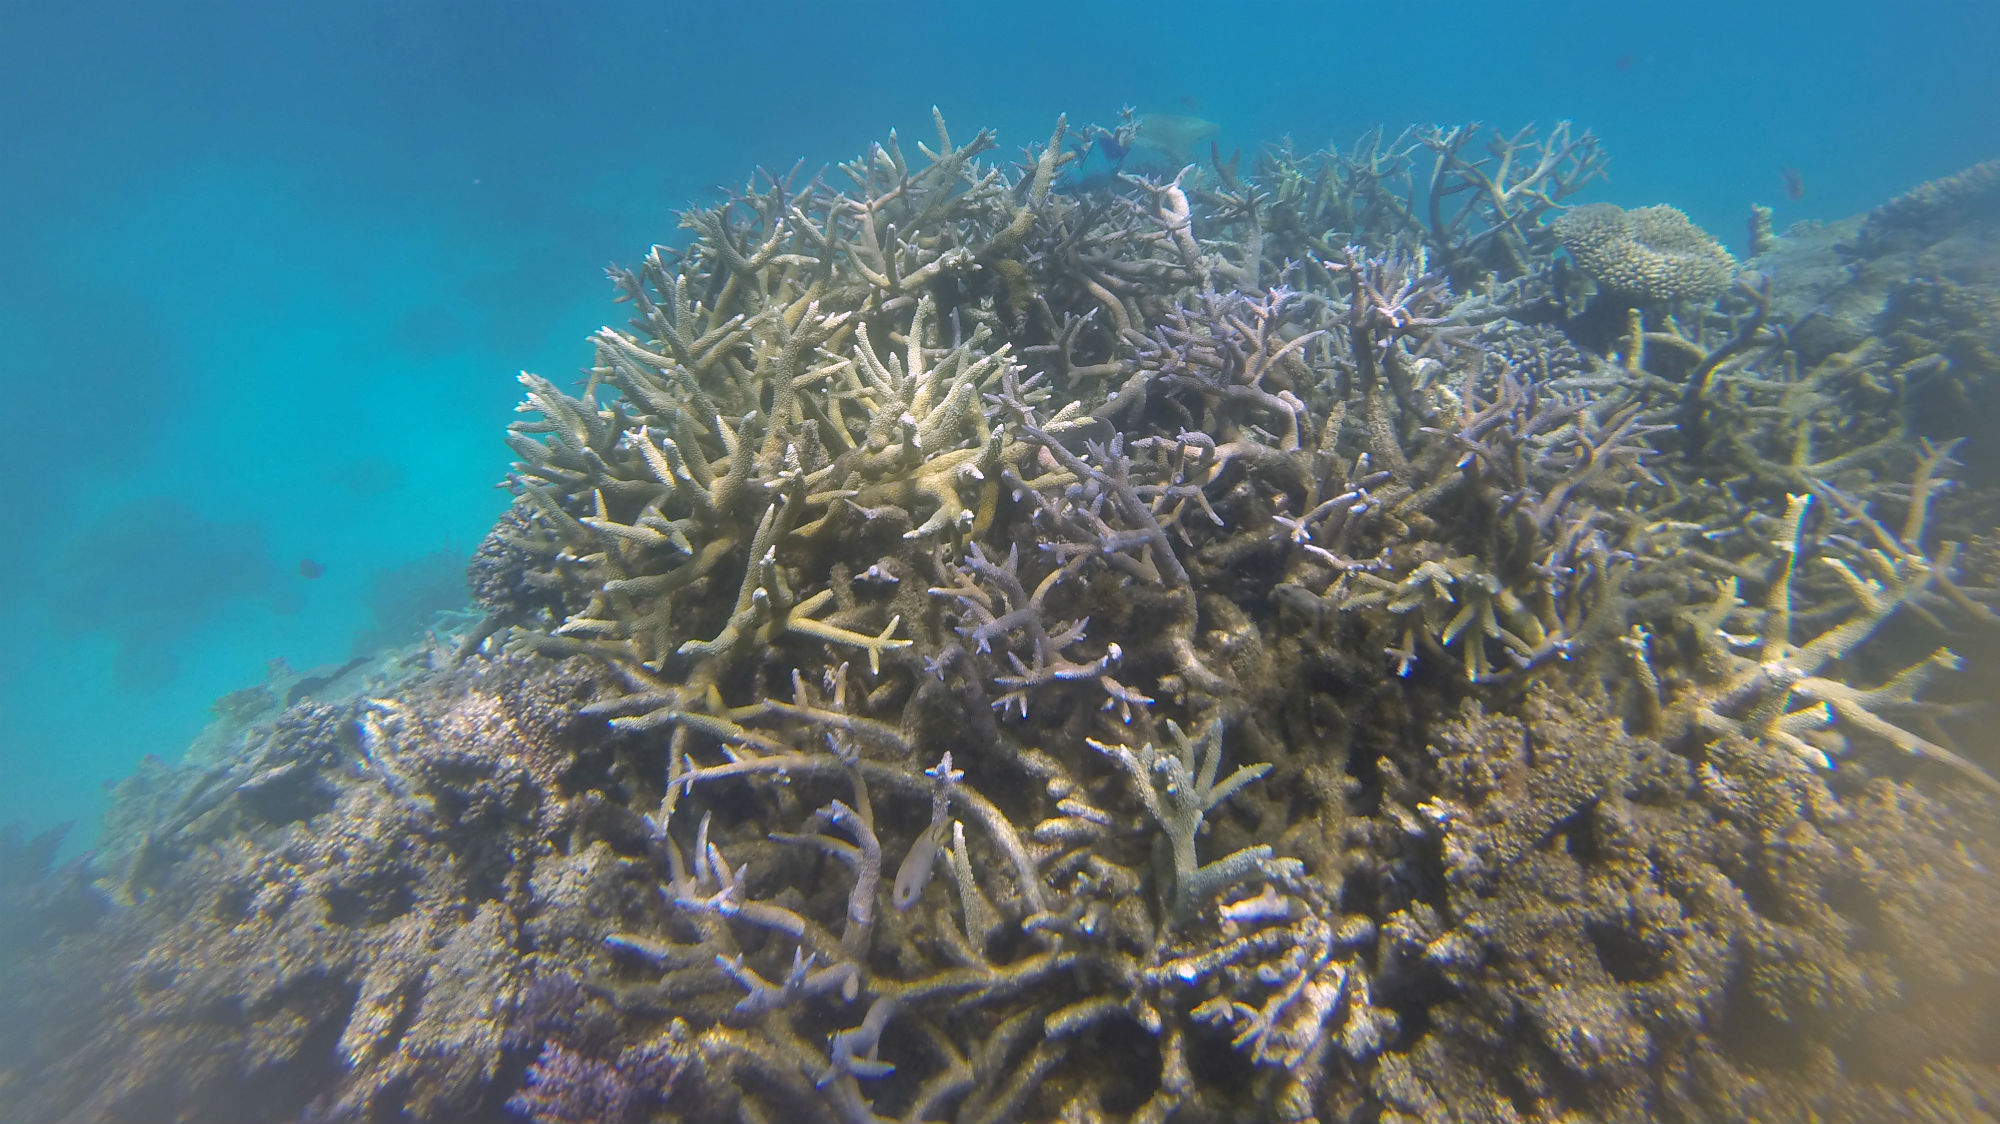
269,270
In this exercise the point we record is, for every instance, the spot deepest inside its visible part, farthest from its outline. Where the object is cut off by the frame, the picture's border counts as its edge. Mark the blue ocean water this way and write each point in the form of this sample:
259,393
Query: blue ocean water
269,269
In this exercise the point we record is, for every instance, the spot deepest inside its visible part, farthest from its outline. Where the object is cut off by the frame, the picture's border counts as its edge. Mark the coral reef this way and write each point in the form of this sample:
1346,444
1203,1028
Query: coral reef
987,644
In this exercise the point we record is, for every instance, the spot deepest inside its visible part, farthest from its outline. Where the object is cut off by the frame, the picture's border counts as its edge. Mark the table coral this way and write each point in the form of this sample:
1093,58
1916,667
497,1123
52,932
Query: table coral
1651,254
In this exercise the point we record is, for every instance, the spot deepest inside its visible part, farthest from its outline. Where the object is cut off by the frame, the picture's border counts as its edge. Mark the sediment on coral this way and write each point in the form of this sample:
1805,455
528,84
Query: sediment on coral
969,626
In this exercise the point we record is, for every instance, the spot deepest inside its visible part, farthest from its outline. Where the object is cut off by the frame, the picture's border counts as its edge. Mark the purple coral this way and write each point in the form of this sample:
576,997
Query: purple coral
568,1087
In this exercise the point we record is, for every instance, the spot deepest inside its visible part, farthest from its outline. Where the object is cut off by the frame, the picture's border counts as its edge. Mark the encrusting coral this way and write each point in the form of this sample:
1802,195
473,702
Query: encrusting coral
983,645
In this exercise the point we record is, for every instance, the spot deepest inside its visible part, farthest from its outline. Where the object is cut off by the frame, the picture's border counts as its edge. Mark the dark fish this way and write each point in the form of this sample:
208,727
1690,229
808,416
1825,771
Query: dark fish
1624,62
1795,184
1085,185
1188,101
1099,160
309,569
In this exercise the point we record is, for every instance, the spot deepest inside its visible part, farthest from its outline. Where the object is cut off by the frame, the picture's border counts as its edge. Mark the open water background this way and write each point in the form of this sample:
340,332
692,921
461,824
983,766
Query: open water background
267,270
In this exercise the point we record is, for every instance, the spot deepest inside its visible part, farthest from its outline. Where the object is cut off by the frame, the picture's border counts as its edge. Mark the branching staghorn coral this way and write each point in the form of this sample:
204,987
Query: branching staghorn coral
1364,191
1752,409
1483,211
1080,912
1229,362
1778,693
1505,460
1023,612
1178,789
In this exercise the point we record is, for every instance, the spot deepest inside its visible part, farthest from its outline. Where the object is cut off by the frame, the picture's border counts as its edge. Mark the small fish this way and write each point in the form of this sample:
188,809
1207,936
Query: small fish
1624,62
311,570
915,872
1795,184
1300,603
1188,100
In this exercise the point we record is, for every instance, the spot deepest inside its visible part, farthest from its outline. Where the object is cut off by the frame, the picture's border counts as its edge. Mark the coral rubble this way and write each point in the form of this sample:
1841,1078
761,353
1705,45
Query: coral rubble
981,645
